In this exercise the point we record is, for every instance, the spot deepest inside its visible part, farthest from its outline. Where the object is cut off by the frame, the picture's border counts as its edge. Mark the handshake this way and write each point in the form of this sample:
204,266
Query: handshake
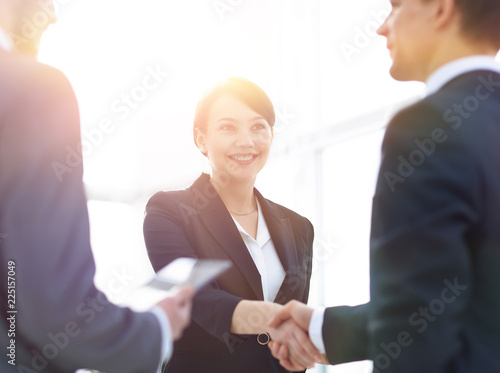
290,342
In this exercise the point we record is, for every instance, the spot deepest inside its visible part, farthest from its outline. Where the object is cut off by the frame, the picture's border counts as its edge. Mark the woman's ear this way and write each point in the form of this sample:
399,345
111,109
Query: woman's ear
199,139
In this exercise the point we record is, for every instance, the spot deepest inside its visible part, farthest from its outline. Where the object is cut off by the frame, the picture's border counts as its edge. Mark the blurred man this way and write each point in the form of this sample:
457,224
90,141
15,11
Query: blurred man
31,20
435,239
53,317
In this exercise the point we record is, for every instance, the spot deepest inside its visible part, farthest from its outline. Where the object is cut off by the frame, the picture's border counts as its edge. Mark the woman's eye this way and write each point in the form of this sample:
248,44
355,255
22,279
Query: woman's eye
259,126
226,127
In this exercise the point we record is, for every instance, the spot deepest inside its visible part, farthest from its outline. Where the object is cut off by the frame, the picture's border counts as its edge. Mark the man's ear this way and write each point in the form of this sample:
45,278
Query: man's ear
200,141
445,13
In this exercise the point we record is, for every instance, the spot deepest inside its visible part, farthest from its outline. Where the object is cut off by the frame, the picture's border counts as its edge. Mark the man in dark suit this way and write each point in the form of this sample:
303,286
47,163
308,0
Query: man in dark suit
53,318
435,239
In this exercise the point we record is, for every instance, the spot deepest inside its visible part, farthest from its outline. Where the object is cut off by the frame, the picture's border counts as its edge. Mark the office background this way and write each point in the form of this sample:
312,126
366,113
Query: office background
138,69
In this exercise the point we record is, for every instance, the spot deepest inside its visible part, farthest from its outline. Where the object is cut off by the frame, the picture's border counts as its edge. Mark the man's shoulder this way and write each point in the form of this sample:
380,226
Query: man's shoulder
18,66
458,102
22,77
468,90
39,99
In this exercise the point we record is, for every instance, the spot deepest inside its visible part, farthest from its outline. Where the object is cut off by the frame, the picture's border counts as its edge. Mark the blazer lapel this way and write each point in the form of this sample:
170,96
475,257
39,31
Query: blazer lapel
219,223
281,232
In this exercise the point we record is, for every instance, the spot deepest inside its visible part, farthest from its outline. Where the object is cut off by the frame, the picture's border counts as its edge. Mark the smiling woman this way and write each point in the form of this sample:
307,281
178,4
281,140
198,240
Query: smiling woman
222,216
233,128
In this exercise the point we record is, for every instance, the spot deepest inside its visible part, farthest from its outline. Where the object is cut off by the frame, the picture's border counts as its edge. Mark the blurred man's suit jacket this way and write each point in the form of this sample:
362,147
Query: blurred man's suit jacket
63,322
435,240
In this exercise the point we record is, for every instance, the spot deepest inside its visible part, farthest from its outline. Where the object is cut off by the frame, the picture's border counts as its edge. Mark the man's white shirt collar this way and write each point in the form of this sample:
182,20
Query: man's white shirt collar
5,41
458,67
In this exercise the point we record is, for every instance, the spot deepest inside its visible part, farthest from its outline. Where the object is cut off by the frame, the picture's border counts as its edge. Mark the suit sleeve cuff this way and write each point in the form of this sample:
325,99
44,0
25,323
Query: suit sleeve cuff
166,336
316,329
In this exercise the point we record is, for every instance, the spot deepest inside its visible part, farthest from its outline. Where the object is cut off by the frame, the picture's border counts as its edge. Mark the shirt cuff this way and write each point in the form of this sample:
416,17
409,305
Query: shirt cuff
166,335
316,329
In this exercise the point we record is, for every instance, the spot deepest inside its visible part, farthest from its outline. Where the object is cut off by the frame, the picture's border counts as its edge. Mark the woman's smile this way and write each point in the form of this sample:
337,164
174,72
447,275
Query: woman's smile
243,158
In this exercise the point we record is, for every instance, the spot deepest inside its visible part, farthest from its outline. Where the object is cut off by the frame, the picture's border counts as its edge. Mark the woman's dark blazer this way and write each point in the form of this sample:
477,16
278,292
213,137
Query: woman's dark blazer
195,223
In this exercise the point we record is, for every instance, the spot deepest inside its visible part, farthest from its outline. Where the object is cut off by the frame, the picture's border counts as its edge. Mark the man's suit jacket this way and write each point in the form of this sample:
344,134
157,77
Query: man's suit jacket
435,240
63,322
195,223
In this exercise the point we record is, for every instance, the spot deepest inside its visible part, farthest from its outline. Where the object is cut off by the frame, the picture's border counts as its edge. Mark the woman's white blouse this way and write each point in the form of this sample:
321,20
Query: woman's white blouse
265,257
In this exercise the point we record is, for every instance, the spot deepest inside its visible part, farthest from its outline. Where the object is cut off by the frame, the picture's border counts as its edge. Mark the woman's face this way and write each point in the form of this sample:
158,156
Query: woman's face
237,140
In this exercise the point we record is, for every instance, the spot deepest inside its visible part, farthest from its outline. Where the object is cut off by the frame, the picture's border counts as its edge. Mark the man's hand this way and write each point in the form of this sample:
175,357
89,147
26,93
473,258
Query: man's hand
291,344
178,309
295,310
281,352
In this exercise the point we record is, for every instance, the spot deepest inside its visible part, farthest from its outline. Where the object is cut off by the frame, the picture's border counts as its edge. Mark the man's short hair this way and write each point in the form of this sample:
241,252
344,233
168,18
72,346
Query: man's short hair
481,19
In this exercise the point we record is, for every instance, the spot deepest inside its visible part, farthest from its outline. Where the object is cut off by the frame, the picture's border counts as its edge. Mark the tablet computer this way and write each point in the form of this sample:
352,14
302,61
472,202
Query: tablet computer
188,271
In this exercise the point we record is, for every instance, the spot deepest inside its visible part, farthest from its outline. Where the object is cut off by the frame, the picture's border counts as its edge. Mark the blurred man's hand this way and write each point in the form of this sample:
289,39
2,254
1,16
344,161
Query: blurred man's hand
177,307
